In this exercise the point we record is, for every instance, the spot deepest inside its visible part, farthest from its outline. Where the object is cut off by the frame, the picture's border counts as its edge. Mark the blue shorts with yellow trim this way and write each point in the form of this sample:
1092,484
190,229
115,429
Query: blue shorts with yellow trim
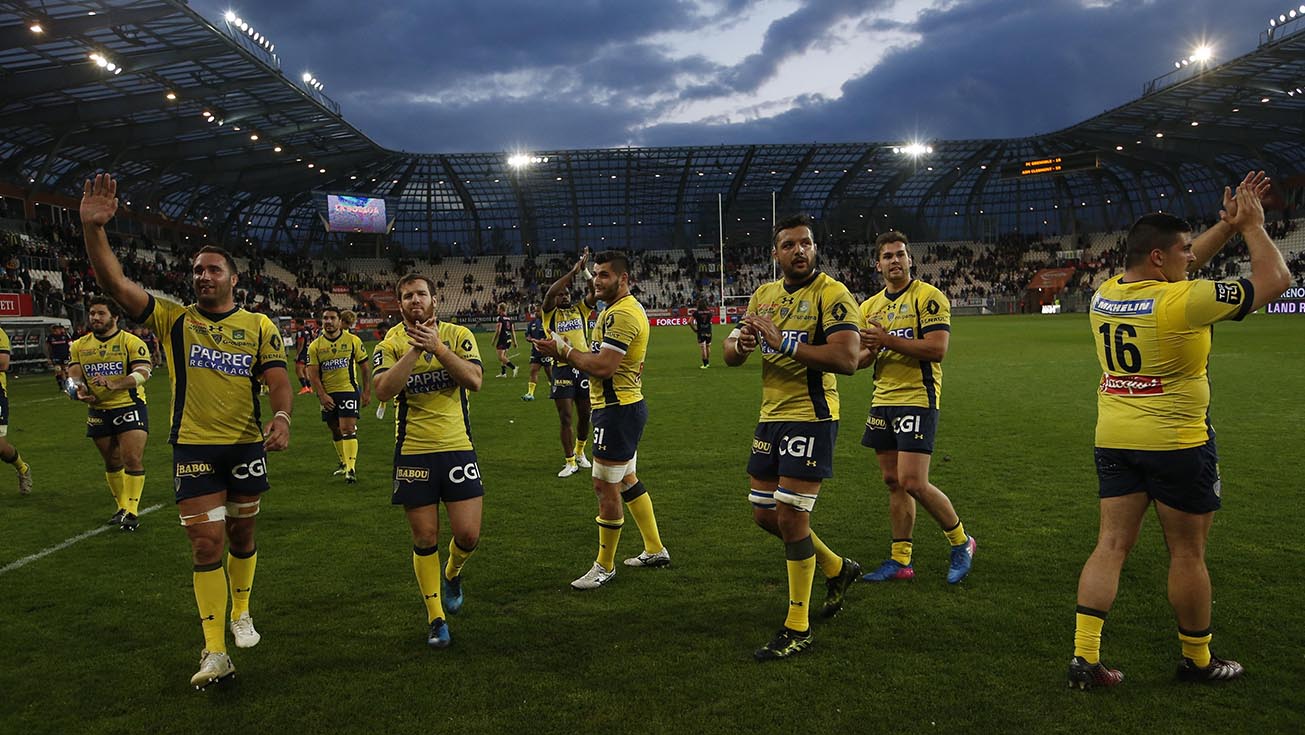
569,383
204,469
803,450
1185,479
434,477
901,429
346,406
101,422
617,431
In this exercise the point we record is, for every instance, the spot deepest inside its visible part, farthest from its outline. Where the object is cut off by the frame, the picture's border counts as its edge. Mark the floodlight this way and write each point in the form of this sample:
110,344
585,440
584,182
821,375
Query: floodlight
277,149
307,77
1203,53
36,27
1273,22
253,136
171,95
1291,13
110,65
230,16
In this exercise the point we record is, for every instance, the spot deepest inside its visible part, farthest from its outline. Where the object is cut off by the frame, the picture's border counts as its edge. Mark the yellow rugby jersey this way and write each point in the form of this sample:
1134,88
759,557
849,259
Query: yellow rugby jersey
337,360
810,312
113,357
910,313
623,326
215,361
433,414
571,324
1153,343
4,350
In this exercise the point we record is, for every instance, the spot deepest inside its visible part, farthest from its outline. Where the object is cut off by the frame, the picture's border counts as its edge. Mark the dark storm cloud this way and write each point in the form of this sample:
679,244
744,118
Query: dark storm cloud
1002,68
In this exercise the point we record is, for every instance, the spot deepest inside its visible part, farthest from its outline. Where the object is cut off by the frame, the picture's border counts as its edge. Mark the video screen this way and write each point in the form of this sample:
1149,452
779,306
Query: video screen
355,214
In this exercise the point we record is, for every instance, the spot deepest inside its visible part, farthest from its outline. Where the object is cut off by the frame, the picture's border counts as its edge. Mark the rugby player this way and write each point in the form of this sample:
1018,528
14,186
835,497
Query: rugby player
806,326
615,370
428,366
109,367
8,452
1154,441
701,326
906,334
303,335
570,386
341,376
505,338
217,354
58,344
534,330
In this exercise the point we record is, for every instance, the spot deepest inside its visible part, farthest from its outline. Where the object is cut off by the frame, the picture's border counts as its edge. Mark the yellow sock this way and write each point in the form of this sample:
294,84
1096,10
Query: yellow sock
1196,646
641,507
426,564
956,535
350,446
902,552
1087,633
570,461
801,563
211,598
530,388
609,535
240,572
133,484
339,449
457,557
115,480
20,466
831,564
580,445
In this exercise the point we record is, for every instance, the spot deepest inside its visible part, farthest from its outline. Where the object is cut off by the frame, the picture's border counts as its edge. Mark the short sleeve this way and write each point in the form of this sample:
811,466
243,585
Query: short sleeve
138,353
383,357
4,342
620,327
271,349
1207,302
752,305
839,311
466,347
72,352
359,352
312,354
160,314
935,312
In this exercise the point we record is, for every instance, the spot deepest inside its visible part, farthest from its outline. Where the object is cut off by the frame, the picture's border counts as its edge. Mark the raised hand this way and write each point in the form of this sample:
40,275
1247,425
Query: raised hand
1248,212
99,200
1258,181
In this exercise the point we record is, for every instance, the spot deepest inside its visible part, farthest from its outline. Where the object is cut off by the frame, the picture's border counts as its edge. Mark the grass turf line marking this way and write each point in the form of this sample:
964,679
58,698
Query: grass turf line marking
46,552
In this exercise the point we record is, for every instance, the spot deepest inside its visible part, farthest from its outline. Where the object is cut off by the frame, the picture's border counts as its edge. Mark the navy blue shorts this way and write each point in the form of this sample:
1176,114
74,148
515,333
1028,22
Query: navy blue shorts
4,409
1185,479
617,431
204,469
704,336
568,382
503,344
900,429
434,477
346,406
803,450
109,421
537,358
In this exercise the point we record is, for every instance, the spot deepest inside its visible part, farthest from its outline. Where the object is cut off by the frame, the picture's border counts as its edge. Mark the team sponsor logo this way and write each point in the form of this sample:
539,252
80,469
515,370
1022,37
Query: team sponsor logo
105,369
94,421
430,382
877,422
839,312
760,447
1228,293
338,363
465,472
907,424
246,470
1132,385
932,307
804,307
903,332
131,417
193,469
237,334
573,324
231,363
1103,305
800,336
411,474
797,446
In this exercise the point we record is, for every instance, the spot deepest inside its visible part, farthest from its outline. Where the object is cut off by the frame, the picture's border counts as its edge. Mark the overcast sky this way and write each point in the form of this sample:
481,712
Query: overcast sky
500,75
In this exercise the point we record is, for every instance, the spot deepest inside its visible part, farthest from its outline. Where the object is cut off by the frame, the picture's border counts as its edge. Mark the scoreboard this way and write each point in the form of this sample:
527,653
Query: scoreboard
1050,165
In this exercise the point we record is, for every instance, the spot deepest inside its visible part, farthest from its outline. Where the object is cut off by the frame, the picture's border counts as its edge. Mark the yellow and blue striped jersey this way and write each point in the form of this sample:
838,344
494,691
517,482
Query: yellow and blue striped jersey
911,313
338,360
433,413
569,322
809,312
215,361
111,357
1153,343
623,326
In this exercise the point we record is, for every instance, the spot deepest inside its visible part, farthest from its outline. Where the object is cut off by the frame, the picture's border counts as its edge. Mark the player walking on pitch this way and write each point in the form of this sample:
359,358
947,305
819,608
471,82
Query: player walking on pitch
341,377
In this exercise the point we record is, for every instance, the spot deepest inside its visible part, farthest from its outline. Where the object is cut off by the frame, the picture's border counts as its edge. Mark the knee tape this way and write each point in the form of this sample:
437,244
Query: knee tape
763,499
242,510
611,473
798,501
211,516
631,492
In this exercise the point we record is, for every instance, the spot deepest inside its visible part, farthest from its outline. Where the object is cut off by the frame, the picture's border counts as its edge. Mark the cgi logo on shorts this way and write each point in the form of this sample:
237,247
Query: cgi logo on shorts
244,471
797,446
131,417
464,473
906,424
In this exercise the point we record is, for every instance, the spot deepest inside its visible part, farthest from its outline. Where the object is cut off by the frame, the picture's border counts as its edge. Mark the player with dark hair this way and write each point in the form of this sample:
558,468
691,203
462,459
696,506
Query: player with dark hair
217,355
8,452
700,323
906,335
1154,442
303,336
534,331
109,367
341,376
806,326
570,386
615,369
58,346
428,366
505,338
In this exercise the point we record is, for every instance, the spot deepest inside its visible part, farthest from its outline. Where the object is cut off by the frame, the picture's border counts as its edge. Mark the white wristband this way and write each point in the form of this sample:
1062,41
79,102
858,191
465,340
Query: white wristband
139,377
735,334
283,415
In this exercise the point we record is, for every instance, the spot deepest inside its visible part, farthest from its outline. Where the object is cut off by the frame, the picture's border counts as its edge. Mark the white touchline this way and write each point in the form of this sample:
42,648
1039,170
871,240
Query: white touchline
46,552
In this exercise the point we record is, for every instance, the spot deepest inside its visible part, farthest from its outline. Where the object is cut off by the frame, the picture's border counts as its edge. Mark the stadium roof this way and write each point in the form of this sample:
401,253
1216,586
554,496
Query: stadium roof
65,115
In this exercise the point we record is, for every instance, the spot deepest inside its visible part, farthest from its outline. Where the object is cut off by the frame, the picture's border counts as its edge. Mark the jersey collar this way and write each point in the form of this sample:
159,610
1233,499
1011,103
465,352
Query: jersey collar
109,337
214,316
799,286
894,296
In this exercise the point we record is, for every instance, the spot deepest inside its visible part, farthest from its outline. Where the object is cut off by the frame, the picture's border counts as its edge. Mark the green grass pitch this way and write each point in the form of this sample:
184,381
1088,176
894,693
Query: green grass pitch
102,636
